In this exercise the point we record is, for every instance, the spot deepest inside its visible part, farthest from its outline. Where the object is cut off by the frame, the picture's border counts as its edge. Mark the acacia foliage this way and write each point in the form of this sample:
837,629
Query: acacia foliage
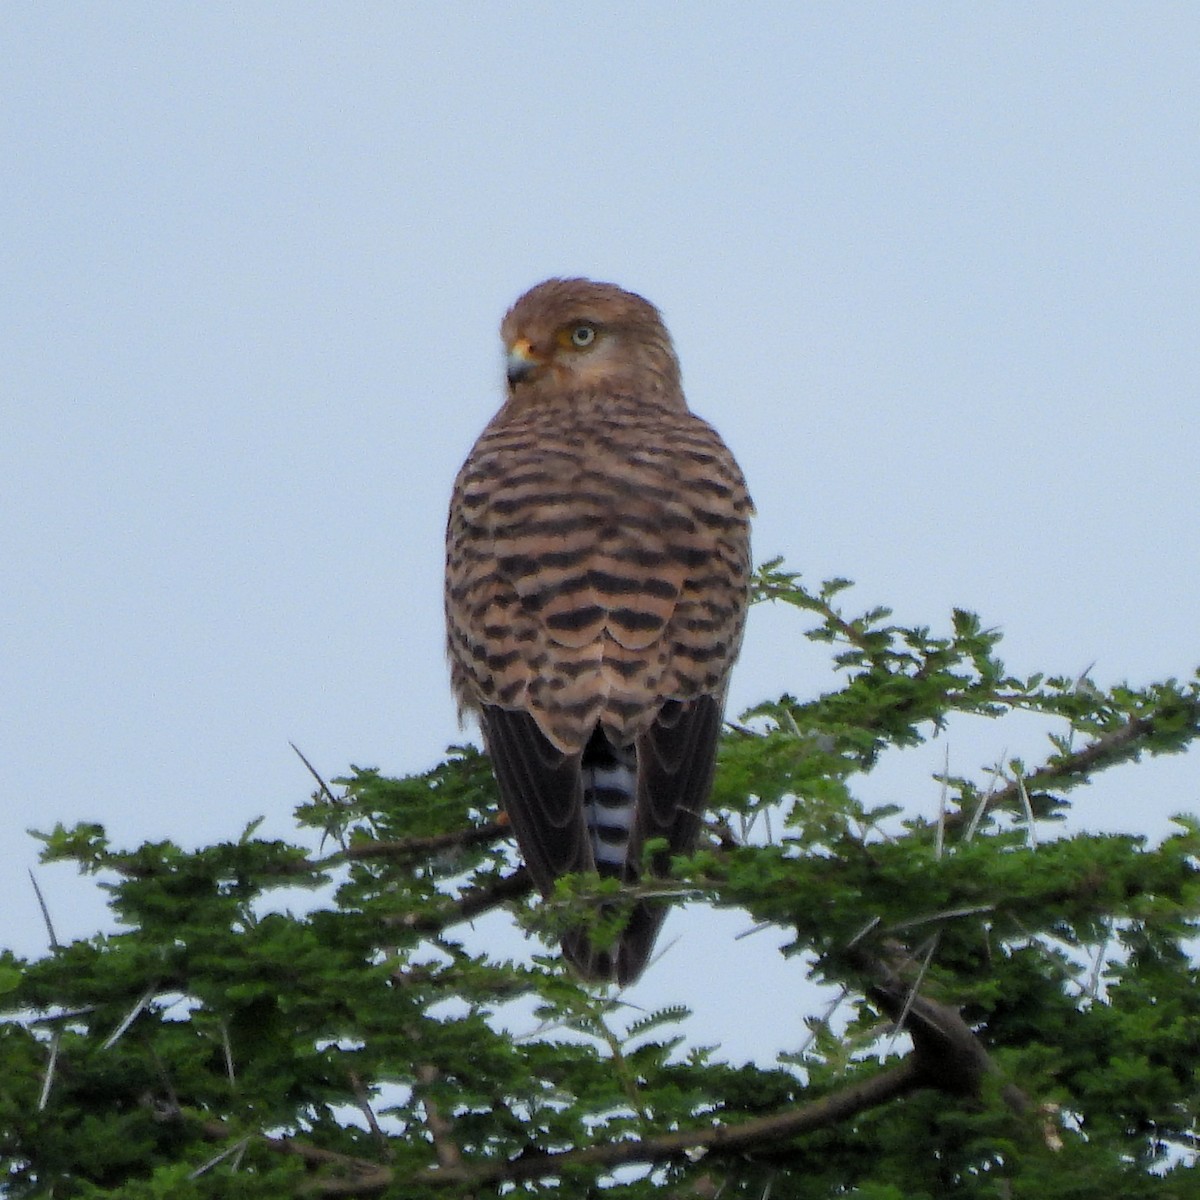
219,1045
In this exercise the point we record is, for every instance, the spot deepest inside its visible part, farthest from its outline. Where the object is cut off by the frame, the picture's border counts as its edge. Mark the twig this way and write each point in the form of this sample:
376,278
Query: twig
321,784
985,801
915,987
54,943
1068,770
336,831
1092,991
363,1099
130,1017
1031,825
418,846
940,838
64,1017
470,904
757,928
976,816
814,1026
365,1178
946,914
862,933
227,1052
238,1148
48,1078
440,1129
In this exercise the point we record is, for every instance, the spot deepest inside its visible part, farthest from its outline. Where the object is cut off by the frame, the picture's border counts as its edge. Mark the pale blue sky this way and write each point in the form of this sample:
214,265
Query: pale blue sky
933,271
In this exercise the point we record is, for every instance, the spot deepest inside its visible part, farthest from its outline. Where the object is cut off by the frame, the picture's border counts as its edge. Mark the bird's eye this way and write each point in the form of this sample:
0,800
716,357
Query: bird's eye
583,335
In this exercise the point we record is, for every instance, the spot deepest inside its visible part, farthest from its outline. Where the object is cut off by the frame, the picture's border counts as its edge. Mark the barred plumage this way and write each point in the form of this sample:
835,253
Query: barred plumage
597,565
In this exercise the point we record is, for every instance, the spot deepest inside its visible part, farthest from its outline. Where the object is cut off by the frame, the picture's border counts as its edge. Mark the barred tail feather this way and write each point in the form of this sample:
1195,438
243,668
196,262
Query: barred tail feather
609,802
597,809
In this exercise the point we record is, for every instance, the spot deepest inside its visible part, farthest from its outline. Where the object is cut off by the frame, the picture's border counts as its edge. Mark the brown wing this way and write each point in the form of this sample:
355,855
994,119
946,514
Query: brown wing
676,760
542,791
597,565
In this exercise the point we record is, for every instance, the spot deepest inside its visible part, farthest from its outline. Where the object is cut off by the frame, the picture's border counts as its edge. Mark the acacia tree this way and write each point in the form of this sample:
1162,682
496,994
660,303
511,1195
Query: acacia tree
219,1045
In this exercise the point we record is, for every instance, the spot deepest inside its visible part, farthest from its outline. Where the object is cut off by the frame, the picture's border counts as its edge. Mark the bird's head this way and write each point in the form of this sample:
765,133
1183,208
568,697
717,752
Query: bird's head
570,335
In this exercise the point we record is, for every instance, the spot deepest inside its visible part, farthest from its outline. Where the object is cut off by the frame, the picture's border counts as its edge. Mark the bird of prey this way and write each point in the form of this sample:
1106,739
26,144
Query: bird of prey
597,569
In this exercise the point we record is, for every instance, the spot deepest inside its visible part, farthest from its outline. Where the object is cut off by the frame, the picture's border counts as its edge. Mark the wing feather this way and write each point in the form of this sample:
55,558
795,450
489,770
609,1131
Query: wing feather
676,761
542,792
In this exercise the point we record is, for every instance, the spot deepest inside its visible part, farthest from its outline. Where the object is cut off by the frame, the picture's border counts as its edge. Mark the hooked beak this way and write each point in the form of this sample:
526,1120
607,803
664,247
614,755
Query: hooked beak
521,361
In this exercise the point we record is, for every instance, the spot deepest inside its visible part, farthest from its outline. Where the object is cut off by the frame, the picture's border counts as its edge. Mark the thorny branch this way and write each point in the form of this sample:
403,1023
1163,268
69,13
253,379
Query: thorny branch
946,1056
1074,768
416,847
1120,743
365,1178
470,904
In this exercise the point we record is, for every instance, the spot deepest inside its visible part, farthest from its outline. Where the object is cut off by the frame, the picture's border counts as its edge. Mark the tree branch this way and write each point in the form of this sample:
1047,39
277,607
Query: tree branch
468,905
372,1178
440,1128
1070,769
416,847
719,1139
948,1056
361,1177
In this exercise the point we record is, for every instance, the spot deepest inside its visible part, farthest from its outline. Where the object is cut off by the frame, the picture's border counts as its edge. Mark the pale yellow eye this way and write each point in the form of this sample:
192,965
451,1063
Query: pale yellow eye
582,336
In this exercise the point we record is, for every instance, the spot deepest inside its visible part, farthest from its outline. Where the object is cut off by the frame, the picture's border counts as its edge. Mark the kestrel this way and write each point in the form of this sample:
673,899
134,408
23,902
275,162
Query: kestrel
597,569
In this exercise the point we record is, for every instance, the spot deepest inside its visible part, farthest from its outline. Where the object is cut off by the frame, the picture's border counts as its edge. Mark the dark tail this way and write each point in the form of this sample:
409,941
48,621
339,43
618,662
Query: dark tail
626,959
610,793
